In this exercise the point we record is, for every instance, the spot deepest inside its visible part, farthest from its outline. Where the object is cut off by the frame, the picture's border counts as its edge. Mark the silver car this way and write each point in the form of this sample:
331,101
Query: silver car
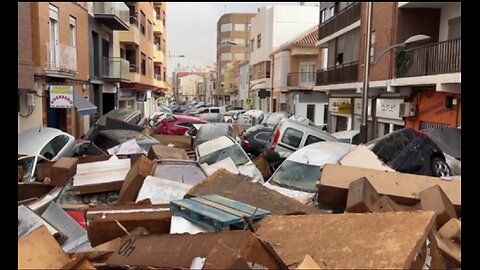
39,144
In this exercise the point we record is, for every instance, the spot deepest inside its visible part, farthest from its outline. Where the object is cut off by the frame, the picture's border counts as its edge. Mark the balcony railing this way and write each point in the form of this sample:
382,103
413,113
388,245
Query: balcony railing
338,74
114,14
115,68
303,79
341,20
439,58
61,58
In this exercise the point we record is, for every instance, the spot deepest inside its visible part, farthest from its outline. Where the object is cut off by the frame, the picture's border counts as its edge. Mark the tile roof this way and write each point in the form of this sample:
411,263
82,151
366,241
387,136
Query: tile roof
308,39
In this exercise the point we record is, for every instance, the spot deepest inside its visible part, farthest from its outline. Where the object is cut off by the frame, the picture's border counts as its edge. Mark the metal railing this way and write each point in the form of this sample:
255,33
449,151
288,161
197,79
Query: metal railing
338,74
301,79
341,20
439,58
114,8
61,57
115,68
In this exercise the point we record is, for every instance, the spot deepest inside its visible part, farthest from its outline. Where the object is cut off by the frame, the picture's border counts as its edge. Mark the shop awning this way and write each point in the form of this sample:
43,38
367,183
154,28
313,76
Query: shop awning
83,106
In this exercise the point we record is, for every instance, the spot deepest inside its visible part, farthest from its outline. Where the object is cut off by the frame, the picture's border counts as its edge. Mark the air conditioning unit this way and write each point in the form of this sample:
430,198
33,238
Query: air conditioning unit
407,109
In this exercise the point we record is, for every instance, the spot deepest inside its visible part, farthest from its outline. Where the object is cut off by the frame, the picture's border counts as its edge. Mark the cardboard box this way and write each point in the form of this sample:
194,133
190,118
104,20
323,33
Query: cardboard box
452,230
221,250
134,179
385,204
262,166
239,129
361,196
403,188
435,199
165,152
44,170
349,241
63,170
179,141
103,225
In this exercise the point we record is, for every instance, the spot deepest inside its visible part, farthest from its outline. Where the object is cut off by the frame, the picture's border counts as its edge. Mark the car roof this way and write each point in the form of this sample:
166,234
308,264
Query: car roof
32,141
315,128
214,145
211,130
346,134
188,118
321,153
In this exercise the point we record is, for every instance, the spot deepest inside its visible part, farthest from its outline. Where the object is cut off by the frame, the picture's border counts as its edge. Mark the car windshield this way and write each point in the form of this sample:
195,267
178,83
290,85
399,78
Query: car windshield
233,151
28,164
117,114
298,176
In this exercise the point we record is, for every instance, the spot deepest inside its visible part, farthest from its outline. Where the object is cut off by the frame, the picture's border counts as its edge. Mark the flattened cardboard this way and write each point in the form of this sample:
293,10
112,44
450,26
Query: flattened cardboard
239,129
43,170
179,141
134,179
361,196
262,165
452,230
221,250
308,263
450,249
39,250
403,188
434,199
349,241
241,188
101,176
159,151
363,157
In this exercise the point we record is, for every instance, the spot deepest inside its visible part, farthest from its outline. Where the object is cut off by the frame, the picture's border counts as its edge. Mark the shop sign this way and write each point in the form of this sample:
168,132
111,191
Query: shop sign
340,105
357,108
389,108
61,96
125,93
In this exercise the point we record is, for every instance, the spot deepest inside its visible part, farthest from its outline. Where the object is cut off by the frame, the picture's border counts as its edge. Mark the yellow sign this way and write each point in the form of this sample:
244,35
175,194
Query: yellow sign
249,101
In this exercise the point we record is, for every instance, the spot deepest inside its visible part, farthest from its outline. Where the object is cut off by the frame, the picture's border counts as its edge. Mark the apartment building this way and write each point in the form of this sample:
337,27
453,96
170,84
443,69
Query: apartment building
26,91
272,27
417,85
107,68
294,70
60,53
232,45
143,46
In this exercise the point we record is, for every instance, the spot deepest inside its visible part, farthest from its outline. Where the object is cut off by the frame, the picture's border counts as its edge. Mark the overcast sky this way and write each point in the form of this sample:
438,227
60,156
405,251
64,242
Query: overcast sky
192,29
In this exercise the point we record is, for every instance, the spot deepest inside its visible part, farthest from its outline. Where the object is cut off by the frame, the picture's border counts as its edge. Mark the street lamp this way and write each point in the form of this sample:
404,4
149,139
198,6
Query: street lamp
410,40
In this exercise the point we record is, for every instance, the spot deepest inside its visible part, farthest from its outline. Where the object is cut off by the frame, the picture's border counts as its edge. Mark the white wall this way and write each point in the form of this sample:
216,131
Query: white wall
244,81
281,69
261,24
448,12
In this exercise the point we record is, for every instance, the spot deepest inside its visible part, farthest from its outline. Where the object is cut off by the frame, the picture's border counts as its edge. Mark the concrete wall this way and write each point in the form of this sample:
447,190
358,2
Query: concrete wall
319,99
449,12
281,69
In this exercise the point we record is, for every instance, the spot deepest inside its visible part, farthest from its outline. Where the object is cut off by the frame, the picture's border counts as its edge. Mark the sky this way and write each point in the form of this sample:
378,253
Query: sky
192,29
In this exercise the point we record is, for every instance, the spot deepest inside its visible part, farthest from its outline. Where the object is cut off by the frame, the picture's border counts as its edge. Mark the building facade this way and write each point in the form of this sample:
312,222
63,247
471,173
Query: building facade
415,86
232,45
272,27
61,67
144,46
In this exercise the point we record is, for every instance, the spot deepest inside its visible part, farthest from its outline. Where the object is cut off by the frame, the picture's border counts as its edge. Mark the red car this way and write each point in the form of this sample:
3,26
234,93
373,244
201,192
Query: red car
177,124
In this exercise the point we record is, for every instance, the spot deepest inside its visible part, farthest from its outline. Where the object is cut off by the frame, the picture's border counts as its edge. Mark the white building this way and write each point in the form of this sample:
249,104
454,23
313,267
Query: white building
243,85
271,27
188,86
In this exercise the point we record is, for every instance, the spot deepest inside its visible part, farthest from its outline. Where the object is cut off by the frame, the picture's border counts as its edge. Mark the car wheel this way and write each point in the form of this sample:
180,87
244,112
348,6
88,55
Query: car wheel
440,167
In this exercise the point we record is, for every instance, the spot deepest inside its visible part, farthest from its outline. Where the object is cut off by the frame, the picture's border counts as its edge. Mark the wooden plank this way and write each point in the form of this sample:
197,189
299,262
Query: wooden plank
221,207
39,250
206,210
246,208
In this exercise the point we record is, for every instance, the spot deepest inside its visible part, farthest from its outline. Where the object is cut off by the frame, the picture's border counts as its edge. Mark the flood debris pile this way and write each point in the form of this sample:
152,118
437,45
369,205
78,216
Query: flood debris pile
163,210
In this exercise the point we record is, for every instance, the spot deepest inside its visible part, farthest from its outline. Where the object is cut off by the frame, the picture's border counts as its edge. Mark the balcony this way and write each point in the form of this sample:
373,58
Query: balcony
158,27
423,4
132,36
158,54
345,73
344,18
115,69
438,58
112,14
61,60
301,79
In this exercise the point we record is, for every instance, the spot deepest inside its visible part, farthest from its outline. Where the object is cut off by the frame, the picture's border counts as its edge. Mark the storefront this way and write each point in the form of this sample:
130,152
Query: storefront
340,114
126,98
388,116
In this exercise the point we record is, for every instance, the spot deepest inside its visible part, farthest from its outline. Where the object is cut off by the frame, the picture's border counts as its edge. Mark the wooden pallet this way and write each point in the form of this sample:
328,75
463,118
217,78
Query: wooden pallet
216,212
191,154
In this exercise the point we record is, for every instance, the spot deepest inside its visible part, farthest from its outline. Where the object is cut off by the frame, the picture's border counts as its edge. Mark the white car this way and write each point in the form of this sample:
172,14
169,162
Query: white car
348,136
215,150
37,144
298,174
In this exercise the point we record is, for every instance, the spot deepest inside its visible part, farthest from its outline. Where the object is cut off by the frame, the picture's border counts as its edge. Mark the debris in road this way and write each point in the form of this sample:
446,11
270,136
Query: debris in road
226,163
308,263
63,170
30,221
159,190
165,152
361,196
134,179
451,230
129,147
434,199
180,225
262,165
363,157
179,141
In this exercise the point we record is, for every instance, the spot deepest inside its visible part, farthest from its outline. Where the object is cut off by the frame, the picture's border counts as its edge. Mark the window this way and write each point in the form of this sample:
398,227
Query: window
185,124
73,32
307,72
158,43
262,136
164,21
455,28
312,139
239,27
322,15
214,110
226,27
239,41
226,57
292,137
340,59
53,148
158,13
252,45
259,40
149,31
54,57
332,12
356,139
239,56
372,47
311,112
143,64
149,67
142,22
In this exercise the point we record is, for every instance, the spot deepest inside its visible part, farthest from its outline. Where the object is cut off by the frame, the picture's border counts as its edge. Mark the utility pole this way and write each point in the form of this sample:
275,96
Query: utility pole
364,126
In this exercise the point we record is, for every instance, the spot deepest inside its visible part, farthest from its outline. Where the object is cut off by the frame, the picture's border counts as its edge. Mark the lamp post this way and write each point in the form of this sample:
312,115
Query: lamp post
410,40
176,93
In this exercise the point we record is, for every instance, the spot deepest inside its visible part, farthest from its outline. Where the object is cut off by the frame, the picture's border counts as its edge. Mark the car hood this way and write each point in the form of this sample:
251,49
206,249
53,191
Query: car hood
251,170
32,141
300,196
